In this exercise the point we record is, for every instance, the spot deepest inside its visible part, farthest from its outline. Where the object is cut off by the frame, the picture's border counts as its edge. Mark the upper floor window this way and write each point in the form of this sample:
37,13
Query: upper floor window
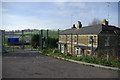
60,38
90,39
107,40
67,48
75,39
67,38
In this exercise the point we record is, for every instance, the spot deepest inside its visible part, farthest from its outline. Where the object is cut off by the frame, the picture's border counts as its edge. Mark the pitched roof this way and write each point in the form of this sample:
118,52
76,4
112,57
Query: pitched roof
92,29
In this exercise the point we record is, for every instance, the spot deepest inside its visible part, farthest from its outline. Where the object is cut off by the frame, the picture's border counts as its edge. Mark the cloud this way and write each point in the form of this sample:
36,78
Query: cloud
83,15
3,10
15,22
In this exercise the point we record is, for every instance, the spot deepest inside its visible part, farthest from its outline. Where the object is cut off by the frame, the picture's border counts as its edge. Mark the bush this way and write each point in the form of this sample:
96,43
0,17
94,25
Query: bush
87,59
52,42
35,41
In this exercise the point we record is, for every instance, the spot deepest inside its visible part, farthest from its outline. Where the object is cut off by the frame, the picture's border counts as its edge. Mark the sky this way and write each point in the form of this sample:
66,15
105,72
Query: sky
55,15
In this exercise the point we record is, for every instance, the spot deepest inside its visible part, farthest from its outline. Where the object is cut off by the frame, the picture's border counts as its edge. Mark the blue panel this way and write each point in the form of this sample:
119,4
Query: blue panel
13,40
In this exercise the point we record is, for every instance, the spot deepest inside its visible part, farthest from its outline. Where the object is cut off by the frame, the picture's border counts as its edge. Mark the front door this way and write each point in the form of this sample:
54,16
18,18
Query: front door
62,49
77,51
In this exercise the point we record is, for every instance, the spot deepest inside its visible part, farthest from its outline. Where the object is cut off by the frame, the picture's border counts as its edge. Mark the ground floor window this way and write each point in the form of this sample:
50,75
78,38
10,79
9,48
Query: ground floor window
88,52
68,49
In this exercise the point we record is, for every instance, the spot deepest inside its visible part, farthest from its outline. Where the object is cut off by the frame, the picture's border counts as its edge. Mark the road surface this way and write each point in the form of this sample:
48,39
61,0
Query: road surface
33,65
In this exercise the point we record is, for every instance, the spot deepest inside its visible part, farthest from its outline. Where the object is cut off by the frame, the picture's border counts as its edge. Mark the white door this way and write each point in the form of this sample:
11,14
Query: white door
62,48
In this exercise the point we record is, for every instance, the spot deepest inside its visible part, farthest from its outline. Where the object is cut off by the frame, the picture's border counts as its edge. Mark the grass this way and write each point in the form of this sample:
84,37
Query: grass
87,59
51,33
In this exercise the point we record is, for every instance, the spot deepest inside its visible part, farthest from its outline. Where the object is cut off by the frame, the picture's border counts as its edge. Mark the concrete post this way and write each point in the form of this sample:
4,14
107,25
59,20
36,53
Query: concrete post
23,39
41,40
4,41
31,39
58,41
47,38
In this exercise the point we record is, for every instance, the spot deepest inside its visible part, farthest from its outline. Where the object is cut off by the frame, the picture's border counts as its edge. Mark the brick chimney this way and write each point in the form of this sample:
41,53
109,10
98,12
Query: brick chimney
73,26
104,22
79,25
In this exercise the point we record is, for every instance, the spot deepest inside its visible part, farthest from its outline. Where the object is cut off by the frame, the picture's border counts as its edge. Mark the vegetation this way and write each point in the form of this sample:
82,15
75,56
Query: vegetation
35,41
87,59
51,42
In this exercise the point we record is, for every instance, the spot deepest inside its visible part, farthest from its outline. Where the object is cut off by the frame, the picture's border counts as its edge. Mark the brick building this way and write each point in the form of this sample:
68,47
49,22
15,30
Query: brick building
101,40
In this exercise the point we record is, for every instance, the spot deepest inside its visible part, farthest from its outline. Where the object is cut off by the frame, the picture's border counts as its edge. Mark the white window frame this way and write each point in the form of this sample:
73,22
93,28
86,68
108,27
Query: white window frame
90,40
62,48
79,52
89,52
74,40
68,49
59,38
68,38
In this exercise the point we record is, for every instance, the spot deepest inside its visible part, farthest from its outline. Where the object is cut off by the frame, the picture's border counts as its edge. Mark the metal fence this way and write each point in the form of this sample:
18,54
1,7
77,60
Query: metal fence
25,39
1,50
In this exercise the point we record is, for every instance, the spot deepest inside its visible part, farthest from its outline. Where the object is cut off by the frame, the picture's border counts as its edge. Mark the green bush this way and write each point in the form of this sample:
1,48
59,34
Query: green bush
35,41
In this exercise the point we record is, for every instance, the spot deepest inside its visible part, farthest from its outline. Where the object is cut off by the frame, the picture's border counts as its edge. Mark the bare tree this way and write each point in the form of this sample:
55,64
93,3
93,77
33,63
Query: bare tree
95,21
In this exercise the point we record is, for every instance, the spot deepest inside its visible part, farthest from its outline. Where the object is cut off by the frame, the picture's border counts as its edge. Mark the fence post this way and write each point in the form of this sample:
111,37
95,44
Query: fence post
13,43
41,40
2,40
31,39
23,39
58,38
47,38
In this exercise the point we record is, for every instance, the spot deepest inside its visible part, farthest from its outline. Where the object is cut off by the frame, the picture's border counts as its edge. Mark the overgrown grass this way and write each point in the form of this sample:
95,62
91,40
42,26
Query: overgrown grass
87,59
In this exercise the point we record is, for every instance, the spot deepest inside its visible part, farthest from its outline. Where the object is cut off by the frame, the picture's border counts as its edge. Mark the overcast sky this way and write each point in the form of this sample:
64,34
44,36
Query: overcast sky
55,15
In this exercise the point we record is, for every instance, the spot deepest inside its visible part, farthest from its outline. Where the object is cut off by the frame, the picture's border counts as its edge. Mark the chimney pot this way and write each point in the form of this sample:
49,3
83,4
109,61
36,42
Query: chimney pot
104,22
79,25
73,26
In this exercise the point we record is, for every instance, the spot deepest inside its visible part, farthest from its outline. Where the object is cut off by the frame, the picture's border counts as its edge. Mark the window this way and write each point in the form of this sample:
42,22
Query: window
88,52
75,39
90,39
67,38
62,48
107,39
67,48
95,40
60,38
